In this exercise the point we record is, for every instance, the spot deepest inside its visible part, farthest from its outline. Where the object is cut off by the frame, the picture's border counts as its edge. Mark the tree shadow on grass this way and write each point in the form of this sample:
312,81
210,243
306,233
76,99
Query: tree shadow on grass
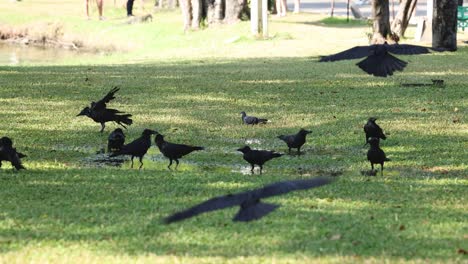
121,212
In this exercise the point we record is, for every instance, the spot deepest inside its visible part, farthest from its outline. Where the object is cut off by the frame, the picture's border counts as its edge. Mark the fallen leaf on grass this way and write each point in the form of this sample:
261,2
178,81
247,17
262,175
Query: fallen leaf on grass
335,237
462,251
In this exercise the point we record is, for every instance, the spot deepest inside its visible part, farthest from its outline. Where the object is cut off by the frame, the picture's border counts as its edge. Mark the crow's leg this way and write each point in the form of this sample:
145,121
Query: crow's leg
0,163
289,150
252,166
381,169
299,151
261,168
170,163
177,163
131,167
103,125
372,165
141,162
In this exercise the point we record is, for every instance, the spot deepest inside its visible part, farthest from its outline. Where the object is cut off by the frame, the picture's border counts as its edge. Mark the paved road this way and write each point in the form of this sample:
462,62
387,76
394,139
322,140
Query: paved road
323,7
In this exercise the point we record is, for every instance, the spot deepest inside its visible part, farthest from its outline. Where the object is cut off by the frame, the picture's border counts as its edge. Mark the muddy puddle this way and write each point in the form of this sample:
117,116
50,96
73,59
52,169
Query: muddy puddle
14,54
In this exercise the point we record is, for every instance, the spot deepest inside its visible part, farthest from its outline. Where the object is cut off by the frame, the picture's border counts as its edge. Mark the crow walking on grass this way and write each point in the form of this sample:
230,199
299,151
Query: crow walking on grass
373,130
375,154
173,151
116,140
379,61
296,140
251,206
101,114
252,120
8,153
258,157
138,147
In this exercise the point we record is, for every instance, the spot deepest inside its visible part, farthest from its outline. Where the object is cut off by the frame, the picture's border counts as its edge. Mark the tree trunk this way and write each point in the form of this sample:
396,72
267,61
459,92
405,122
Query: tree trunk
381,27
444,24
332,8
234,9
215,12
400,23
186,9
197,9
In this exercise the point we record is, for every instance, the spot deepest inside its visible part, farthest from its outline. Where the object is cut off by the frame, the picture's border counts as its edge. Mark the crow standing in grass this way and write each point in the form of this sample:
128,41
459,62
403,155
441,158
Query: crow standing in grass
173,151
8,153
251,206
252,120
296,140
258,157
375,154
379,61
101,114
138,147
373,130
116,140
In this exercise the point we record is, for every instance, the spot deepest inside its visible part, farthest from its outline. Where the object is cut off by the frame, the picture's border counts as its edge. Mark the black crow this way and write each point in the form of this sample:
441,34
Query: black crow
138,147
296,140
8,153
115,140
101,114
379,61
173,151
375,154
252,120
373,130
251,206
258,157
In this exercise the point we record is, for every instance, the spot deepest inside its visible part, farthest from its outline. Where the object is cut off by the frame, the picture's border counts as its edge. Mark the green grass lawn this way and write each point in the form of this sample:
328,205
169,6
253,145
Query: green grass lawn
67,209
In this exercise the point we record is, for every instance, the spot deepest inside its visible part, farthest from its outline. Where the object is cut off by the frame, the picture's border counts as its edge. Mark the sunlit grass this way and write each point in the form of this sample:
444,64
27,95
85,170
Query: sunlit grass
67,209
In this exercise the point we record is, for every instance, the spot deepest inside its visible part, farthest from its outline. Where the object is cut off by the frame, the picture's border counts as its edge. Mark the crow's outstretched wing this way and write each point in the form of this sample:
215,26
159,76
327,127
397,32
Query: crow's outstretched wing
407,49
283,187
212,204
349,54
101,104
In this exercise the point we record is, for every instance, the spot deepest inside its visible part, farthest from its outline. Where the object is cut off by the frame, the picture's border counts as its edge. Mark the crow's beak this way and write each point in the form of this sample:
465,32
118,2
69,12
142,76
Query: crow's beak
308,131
80,114
154,132
240,150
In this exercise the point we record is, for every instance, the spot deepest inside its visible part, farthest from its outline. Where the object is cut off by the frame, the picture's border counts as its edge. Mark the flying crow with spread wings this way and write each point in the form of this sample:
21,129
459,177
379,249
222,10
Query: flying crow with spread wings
251,206
101,114
379,60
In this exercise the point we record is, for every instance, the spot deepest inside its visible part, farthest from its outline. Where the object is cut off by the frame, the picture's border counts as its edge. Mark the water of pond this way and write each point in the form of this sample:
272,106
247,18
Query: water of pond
14,54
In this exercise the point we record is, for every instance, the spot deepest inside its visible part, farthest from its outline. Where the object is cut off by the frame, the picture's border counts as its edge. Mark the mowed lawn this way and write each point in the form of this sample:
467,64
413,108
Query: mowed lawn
68,209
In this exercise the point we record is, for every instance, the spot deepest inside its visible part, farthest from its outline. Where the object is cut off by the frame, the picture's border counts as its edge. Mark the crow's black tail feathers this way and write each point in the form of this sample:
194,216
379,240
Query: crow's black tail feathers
124,120
262,121
198,148
277,155
254,212
387,159
381,66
